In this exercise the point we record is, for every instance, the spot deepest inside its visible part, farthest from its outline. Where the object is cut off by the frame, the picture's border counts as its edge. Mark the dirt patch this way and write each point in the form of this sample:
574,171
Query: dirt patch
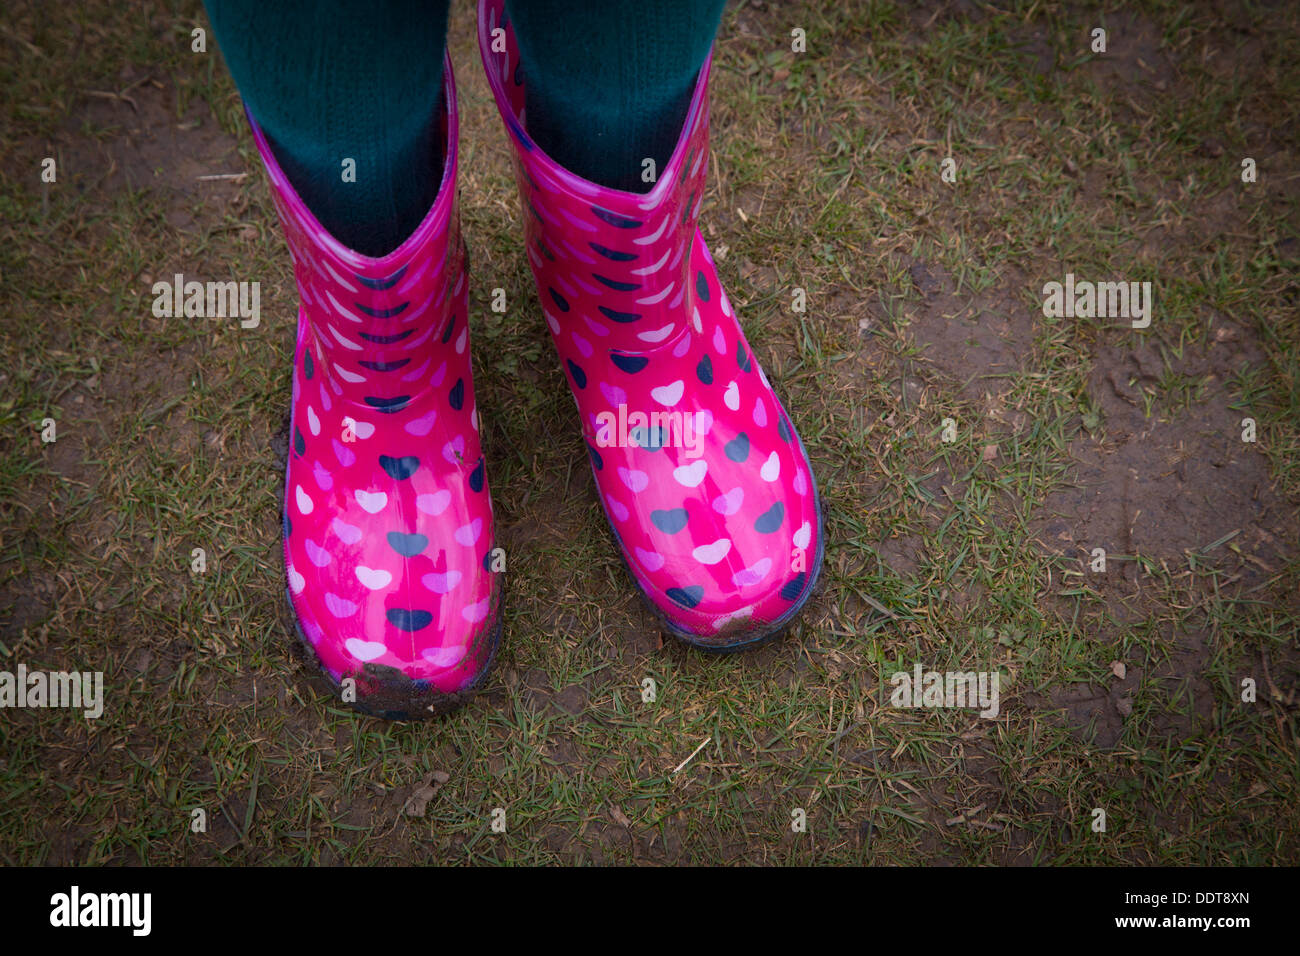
133,139
1134,63
978,338
1179,479
1165,692
903,556
1093,713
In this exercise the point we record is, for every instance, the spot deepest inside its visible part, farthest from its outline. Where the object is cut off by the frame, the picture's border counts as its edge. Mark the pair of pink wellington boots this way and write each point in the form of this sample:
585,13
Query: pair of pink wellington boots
388,531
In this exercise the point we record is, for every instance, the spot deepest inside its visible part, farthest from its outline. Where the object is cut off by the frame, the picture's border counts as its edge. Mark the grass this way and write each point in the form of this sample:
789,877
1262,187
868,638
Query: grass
924,303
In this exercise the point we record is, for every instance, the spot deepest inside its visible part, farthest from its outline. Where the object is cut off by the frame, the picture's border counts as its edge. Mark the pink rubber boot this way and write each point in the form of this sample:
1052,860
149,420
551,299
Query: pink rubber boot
723,538
387,515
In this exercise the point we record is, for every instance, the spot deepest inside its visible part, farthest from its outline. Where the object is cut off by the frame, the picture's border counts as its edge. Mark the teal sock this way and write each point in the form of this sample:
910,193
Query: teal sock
333,80
609,81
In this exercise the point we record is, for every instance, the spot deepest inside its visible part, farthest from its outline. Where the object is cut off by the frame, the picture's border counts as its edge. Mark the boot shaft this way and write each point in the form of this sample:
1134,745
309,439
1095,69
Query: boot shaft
379,329
631,251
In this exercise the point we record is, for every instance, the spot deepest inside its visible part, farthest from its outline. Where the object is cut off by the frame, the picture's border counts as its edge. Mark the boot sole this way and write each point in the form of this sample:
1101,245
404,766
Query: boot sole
399,697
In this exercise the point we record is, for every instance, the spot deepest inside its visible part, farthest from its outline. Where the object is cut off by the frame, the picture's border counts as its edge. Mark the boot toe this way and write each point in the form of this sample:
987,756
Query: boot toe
725,546
389,566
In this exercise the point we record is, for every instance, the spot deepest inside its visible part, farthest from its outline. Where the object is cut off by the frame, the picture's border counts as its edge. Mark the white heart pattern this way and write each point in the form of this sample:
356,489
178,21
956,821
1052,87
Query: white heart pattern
729,503
613,394
444,656
712,553
421,426
372,502
348,534
658,335
340,607
373,578
752,575
669,395
476,612
652,560
440,583
617,508
316,554
323,477
434,504
691,475
454,450
803,535
638,481
468,534
365,650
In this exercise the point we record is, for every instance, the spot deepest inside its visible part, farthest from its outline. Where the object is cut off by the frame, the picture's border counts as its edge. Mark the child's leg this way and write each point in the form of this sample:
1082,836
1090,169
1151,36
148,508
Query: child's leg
332,80
609,80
